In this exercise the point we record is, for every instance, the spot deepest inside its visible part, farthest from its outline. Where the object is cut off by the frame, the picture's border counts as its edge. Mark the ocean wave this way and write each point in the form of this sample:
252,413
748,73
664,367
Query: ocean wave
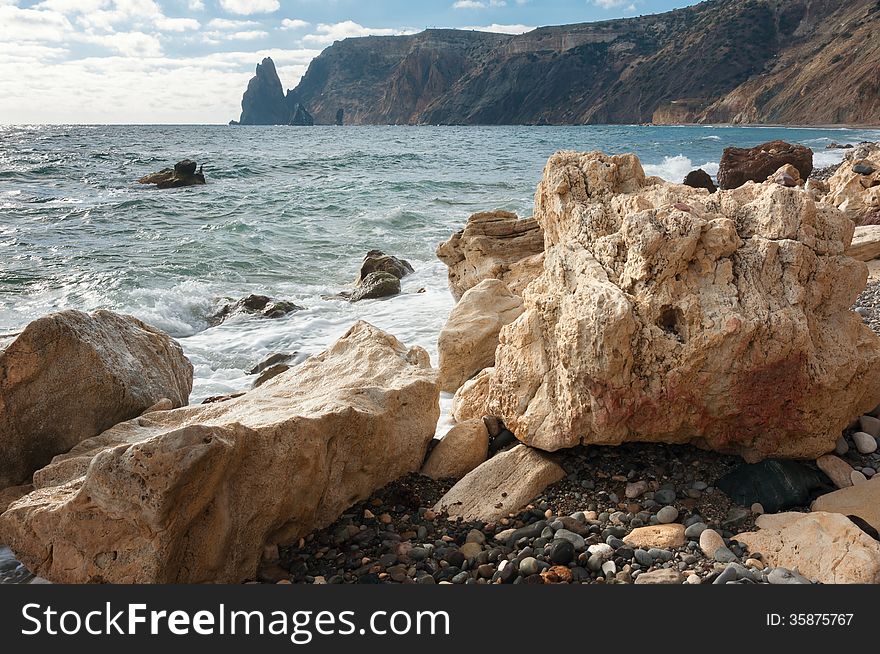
674,169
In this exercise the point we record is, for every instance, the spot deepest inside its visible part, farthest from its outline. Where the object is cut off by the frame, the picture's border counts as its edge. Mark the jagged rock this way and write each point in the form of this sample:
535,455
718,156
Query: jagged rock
259,305
270,373
462,449
852,188
700,179
264,101
493,245
378,261
68,376
299,116
502,485
376,285
193,495
862,500
741,165
665,314
270,361
183,174
468,340
824,547
777,485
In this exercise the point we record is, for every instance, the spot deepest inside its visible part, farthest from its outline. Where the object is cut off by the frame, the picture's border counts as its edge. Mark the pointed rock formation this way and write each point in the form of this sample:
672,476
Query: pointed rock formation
264,102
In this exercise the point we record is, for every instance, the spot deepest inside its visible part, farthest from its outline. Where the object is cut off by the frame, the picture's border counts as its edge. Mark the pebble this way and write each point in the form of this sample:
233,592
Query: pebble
664,496
575,539
728,574
643,558
782,576
667,515
636,489
842,447
865,443
724,555
710,541
694,530
471,550
529,566
694,580
757,508
609,568
595,562
476,536
858,477
561,552
602,549
870,425
662,576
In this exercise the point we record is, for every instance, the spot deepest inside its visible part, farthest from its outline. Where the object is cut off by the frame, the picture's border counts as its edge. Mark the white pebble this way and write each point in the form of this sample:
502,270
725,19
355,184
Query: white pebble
758,508
693,580
602,549
865,443
857,477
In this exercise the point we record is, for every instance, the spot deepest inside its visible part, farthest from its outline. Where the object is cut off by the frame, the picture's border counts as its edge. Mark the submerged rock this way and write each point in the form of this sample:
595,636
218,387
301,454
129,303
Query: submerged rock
378,261
741,165
70,375
183,174
662,313
260,305
777,485
376,285
192,495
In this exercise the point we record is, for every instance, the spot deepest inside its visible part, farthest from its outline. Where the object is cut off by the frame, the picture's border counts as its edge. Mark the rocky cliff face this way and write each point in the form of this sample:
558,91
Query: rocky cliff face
802,61
265,103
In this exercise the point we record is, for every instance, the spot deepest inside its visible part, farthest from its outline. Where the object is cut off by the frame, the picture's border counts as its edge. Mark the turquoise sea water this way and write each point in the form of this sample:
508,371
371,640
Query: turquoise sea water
287,212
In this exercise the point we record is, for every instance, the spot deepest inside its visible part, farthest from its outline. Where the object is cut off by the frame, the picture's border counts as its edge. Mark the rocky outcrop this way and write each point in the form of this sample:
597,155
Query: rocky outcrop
183,174
493,245
667,314
256,305
375,286
801,61
865,244
862,500
741,165
265,103
378,261
468,340
192,495
700,179
70,375
824,547
500,486
462,449
854,188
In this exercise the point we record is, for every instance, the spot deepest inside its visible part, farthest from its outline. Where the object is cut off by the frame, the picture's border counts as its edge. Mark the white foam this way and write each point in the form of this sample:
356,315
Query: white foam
674,169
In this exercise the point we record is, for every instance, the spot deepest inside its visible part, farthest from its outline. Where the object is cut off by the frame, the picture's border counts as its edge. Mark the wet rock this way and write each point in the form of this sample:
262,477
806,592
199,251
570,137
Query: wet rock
378,261
776,484
375,286
255,305
182,174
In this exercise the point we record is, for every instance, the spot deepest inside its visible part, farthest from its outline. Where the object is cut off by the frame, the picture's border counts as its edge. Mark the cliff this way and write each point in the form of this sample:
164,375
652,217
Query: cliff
800,61
265,103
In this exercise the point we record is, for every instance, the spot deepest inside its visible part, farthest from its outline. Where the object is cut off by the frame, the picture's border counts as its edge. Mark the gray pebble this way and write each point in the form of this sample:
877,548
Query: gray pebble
667,515
664,496
643,558
694,530
727,575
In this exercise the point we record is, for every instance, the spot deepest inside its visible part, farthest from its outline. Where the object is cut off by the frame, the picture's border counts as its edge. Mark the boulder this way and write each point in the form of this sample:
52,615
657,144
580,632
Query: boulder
862,500
787,175
183,174
255,305
777,485
700,179
741,165
464,447
468,340
837,470
665,314
502,485
865,244
378,261
469,401
493,245
824,547
70,375
376,285
854,188
193,495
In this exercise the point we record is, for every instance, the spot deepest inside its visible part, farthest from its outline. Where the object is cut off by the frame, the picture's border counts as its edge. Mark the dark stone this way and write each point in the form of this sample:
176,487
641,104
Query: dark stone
777,484
270,361
261,305
504,439
454,558
375,286
740,165
864,526
863,168
561,551
271,373
183,174
264,101
185,167
378,261
299,116
529,531
700,179
340,116
369,578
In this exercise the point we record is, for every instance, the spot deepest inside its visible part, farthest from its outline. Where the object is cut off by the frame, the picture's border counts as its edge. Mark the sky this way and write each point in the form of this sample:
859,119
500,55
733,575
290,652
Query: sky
189,61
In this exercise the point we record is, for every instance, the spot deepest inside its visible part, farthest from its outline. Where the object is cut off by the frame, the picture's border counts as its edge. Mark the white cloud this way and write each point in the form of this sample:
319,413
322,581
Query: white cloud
249,35
294,24
226,24
132,44
479,4
176,24
248,7
615,4
502,29
328,33
196,5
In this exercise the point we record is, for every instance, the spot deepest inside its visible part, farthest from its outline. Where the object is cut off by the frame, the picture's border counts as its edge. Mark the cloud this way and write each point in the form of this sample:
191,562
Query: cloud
614,4
196,5
294,24
479,4
248,7
176,24
502,29
328,33
226,24
132,44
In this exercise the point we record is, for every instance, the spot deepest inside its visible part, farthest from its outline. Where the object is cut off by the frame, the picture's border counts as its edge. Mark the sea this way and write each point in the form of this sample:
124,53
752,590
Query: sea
287,212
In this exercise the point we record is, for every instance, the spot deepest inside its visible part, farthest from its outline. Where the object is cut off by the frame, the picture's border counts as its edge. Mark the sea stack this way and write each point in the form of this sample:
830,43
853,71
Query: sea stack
265,103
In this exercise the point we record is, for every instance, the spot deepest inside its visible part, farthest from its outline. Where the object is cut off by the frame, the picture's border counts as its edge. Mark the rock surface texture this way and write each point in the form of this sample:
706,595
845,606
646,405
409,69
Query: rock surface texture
862,500
854,188
667,314
741,165
464,447
493,245
70,375
502,485
824,547
468,340
265,103
192,495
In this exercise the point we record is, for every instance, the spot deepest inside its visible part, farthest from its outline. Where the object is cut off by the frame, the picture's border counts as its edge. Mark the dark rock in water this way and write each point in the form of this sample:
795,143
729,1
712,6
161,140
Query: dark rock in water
215,399
340,116
864,526
376,285
378,261
834,145
264,101
740,165
183,174
269,361
504,438
260,305
863,168
700,179
270,373
185,167
776,484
